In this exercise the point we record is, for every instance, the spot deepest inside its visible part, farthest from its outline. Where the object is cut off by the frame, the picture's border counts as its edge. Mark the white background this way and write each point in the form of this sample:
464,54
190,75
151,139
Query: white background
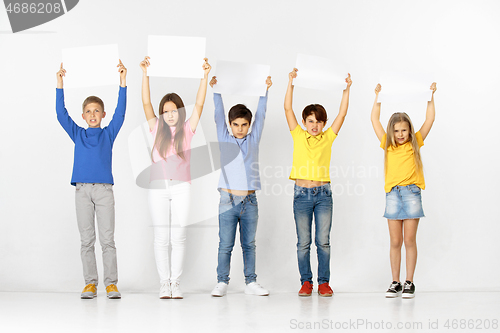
455,40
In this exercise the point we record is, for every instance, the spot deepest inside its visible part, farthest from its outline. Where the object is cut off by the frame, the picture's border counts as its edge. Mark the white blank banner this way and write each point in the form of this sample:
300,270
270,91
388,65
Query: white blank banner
91,66
318,73
236,78
405,87
174,56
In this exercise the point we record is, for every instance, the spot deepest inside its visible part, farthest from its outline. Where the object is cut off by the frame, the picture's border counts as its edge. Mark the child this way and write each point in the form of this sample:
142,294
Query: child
94,181
237,185
170,177
313,194
404,180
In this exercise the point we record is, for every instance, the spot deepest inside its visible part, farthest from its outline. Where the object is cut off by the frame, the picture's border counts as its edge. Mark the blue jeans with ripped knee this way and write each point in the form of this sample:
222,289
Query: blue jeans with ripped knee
317,202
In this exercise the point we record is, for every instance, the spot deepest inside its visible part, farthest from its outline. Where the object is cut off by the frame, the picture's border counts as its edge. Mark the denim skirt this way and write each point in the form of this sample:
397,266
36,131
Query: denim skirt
404,202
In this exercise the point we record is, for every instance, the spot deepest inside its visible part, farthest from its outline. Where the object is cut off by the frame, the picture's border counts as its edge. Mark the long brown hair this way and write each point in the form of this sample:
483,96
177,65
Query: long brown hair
390,141
164,135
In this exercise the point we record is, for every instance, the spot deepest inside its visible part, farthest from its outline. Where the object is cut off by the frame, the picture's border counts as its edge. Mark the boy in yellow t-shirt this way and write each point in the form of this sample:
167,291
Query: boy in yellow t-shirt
313,194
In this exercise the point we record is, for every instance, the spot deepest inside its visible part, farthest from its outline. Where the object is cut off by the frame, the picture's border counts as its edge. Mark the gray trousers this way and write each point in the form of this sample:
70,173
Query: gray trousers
96,200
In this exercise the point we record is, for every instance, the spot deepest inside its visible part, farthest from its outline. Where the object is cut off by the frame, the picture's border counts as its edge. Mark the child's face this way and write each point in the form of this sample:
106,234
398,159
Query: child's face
313,126
401,132
240,127
170,113
93,113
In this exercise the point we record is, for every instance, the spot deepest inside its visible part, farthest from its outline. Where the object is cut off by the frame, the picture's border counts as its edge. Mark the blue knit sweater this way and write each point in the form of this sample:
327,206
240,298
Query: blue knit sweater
93,146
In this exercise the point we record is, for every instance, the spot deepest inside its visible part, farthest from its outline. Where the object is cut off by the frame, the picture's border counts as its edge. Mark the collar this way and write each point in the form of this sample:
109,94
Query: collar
240,140
317,137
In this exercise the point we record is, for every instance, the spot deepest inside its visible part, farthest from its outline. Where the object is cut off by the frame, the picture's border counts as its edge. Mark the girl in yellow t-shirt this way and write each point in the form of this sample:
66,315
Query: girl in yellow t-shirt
404,179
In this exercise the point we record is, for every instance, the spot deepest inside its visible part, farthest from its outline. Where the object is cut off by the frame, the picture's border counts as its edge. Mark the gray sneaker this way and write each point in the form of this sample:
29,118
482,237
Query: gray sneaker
89,291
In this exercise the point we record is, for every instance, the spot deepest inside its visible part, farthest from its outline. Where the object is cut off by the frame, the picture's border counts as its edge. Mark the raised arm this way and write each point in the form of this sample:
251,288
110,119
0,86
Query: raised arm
430,114
344,105
119,116
200,97
60,74
146,96
62,114
260,114
289,114
377,126
123,74
219,116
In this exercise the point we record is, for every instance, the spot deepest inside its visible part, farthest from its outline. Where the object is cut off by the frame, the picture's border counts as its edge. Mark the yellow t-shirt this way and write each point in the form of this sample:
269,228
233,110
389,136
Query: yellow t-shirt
401,169
311,154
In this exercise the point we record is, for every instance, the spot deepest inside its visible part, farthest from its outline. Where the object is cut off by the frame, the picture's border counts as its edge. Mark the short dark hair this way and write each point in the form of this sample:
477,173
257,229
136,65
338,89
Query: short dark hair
240,111
92,99
317,110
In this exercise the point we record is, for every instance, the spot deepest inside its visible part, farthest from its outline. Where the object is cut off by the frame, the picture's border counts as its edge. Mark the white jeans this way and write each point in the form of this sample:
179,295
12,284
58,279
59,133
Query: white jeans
169,208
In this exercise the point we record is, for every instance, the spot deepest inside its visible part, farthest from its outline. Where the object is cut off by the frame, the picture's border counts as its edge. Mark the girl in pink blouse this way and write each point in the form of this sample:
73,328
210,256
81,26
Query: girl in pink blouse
170,177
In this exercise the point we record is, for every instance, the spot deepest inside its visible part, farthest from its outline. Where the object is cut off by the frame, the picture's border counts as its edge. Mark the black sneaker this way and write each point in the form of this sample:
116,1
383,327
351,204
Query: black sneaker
394,290
408,290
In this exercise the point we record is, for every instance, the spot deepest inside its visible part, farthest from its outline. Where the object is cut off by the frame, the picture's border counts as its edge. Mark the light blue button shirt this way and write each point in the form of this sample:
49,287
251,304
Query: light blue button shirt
239,157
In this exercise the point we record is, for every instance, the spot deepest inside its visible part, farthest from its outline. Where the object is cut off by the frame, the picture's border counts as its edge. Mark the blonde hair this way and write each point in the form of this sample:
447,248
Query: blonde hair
92,99
391,142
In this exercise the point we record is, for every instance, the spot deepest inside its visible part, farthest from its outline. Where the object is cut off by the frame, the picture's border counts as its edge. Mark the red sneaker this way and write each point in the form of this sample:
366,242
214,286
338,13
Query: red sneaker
307,289
324,290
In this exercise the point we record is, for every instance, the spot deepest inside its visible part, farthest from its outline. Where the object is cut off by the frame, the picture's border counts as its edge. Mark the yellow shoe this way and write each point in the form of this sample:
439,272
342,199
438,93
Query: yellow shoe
89,291
113,292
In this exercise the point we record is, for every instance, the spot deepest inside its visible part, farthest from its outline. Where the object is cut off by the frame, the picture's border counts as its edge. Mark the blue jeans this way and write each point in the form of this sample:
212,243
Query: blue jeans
234,209
306,202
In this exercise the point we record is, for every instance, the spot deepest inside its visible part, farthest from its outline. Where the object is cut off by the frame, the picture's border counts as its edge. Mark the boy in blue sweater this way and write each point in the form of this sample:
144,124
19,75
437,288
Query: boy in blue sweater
94,181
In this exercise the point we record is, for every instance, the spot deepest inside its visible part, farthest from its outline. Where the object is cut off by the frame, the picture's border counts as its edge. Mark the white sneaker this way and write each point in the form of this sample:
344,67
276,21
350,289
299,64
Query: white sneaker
165,291
253,288
220,289
176,290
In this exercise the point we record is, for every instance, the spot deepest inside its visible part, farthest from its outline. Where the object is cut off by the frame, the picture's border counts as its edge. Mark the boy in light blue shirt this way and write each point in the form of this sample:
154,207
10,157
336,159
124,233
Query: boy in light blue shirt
238,182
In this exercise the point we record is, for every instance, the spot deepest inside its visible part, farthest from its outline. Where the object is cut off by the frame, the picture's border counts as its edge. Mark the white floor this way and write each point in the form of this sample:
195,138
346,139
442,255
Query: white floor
282,312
